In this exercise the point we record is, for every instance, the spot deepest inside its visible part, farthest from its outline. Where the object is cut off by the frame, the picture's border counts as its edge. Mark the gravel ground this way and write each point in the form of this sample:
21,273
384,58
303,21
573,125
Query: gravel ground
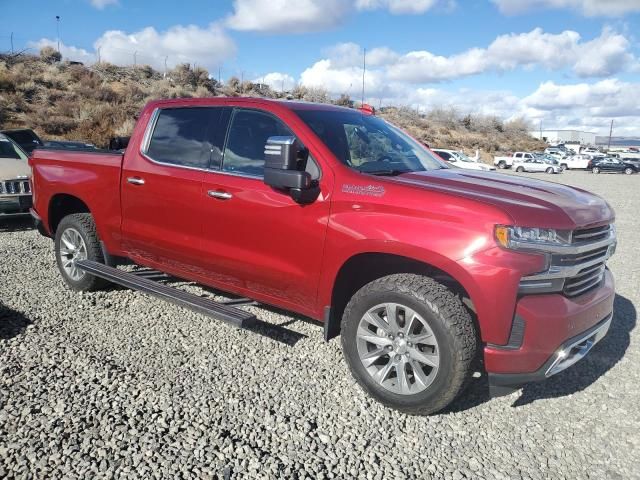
117,384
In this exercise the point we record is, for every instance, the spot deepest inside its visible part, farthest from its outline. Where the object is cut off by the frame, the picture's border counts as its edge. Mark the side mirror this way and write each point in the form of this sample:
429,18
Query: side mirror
284,169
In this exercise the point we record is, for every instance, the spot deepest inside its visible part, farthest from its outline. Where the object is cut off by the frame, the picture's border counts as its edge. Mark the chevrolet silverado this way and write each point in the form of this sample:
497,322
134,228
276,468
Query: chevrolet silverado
337,215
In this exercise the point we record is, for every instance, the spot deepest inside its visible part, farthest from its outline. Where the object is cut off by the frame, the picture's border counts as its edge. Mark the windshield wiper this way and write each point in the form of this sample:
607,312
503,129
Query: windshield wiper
385,173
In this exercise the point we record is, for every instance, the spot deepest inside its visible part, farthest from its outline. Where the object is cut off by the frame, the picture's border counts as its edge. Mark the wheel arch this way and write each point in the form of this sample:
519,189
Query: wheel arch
362,268
61,205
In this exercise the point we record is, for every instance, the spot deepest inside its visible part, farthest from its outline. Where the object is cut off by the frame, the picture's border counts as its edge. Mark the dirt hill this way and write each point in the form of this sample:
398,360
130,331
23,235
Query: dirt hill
63,100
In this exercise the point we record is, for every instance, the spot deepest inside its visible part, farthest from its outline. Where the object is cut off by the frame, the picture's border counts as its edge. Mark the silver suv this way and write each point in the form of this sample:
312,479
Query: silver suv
15,191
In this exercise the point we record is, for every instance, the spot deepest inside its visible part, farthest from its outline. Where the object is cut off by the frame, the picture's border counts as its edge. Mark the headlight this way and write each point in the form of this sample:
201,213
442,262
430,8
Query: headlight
531,238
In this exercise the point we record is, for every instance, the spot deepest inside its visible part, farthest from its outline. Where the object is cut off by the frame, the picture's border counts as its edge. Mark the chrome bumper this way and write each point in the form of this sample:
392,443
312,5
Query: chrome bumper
578,348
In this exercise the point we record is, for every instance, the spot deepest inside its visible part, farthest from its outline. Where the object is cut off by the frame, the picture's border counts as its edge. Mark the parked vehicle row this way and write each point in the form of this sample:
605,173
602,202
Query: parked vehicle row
614,165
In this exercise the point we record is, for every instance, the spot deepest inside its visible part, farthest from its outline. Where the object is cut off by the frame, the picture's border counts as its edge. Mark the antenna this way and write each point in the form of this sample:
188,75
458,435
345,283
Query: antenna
610,133
364,70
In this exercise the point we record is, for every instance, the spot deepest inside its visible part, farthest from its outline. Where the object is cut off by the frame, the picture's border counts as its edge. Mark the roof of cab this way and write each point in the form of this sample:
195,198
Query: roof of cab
239,101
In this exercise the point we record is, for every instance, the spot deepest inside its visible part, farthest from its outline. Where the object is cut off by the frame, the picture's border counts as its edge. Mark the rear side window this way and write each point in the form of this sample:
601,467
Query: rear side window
189,137
248,135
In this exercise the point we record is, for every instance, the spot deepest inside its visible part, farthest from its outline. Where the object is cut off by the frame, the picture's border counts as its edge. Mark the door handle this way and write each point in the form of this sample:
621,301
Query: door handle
219,194
135,180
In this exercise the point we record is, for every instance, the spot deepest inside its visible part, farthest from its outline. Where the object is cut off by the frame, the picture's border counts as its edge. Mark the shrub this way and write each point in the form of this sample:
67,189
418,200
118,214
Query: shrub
50,54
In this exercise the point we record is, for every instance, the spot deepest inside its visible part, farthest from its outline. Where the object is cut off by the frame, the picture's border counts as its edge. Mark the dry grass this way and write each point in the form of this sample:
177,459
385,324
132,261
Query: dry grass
64,101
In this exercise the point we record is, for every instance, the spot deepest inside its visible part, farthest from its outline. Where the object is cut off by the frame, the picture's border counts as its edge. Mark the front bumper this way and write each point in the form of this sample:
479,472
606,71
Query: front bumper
553,333
15,205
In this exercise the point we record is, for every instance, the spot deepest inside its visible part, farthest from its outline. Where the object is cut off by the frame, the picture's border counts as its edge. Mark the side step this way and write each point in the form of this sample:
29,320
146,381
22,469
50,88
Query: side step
219,311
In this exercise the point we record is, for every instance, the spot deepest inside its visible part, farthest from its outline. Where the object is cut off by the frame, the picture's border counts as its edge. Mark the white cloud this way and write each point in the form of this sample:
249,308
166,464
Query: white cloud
207,47
398,7
68,52
301,16
101,4
590,8
287,16
277,81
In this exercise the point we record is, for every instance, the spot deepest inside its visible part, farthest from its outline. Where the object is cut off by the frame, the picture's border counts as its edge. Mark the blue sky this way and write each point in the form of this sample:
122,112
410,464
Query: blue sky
565,63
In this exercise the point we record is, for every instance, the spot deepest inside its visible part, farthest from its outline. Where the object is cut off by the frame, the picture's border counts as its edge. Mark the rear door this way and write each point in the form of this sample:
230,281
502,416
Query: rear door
161,185
260,241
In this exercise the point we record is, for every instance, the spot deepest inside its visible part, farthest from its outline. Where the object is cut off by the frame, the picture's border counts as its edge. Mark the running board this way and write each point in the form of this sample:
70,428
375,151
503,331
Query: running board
234,316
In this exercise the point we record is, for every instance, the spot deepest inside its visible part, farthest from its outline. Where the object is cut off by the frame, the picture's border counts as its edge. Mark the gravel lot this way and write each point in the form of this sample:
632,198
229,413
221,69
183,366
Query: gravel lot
117,384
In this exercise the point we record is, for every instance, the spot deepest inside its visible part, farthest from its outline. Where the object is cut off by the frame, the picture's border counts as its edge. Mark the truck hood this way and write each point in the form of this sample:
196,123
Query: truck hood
12,168
528,202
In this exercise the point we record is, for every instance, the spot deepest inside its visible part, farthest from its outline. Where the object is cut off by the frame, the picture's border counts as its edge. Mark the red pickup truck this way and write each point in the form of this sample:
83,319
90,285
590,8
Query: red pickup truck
335,214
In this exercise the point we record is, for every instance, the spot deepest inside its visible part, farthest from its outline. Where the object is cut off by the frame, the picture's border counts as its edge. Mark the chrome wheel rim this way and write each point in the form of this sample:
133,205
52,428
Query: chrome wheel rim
72,249
397,348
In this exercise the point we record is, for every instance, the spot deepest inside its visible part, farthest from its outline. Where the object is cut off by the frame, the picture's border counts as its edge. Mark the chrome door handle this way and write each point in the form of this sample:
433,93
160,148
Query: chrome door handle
136,180
220,195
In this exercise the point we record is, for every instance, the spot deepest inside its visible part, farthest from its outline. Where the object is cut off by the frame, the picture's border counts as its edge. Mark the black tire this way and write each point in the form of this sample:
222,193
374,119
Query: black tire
595,170
502,164
564,166
450,323
520,169
629,171
549,170
83,224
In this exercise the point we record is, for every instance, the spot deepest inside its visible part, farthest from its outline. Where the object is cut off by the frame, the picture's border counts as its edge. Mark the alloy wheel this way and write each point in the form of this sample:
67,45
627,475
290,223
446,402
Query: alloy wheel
398,348
72,249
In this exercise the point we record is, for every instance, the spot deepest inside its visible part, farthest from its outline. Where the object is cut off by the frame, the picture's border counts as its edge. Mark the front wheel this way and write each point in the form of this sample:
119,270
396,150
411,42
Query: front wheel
520,169
502,165
549,170
629,171
409,342
77,239
595,170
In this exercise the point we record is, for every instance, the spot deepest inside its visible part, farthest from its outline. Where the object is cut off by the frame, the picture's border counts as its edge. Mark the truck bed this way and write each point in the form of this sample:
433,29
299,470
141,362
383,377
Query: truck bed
61,175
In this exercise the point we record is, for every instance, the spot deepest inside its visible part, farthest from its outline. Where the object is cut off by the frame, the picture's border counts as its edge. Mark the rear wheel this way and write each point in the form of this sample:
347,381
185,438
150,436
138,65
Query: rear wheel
549,170
564,166
409,342
502,165
629,171
595,170
77,239
520,169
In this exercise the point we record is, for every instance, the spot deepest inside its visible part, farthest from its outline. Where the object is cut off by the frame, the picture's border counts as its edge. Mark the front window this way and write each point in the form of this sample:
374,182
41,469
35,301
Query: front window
368,144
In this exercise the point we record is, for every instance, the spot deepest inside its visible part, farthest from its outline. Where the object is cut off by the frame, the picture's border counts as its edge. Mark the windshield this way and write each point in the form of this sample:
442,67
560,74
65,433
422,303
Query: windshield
463,158
369,144
9,149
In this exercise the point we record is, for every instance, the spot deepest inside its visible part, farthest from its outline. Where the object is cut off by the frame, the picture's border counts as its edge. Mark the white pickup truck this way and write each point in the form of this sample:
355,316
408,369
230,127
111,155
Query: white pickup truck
576,162
507,162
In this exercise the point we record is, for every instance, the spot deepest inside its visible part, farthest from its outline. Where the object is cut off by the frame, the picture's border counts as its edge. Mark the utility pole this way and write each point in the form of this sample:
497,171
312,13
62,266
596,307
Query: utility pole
165,64
58,31
135,59
11,43
219,75
364,70
610,133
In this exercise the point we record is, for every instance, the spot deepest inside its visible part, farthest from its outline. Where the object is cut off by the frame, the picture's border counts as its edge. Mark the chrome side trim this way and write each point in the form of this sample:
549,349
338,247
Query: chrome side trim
578,349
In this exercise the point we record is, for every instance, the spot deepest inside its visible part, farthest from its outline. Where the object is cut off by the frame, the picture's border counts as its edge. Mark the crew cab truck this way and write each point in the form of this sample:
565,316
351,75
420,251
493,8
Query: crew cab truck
338,215
507,162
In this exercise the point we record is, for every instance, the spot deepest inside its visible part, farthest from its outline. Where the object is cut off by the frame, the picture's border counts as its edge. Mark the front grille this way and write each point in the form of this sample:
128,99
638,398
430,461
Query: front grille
15,187
591,234
581,266
587,279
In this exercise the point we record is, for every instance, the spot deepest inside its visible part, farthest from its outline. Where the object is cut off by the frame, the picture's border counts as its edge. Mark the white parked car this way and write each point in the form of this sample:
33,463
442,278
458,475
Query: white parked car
536,164
576,162
460,160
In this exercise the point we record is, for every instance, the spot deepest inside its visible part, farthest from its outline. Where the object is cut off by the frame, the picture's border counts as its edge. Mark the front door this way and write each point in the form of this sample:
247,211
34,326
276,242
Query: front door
261,242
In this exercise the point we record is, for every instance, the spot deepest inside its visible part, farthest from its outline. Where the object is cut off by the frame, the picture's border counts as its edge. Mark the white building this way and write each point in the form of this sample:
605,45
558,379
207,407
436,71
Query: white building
565,136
